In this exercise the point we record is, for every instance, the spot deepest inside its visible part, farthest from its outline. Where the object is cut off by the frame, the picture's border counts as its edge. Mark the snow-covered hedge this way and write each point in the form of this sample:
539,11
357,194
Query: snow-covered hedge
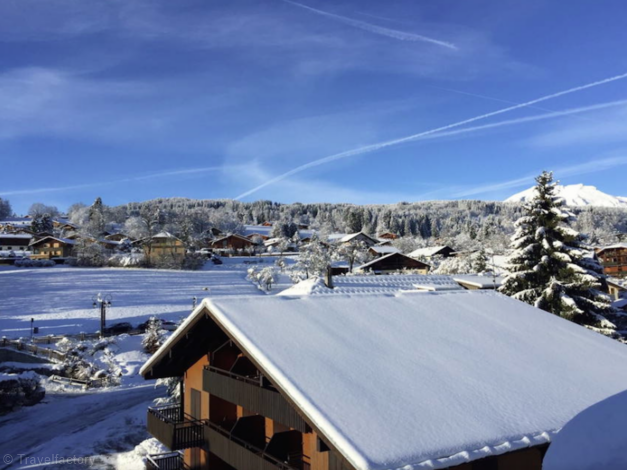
18,390
34,263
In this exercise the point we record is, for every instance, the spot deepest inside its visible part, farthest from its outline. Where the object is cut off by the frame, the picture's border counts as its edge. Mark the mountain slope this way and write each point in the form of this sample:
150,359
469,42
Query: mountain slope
577,195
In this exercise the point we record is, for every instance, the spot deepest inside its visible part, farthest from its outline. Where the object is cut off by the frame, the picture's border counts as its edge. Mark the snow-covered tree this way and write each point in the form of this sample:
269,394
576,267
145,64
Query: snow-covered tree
5,209
42,223
154,336
548,268
38,209
313,259
352,252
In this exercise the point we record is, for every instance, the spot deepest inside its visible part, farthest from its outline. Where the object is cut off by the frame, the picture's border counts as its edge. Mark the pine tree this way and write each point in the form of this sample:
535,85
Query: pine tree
549,268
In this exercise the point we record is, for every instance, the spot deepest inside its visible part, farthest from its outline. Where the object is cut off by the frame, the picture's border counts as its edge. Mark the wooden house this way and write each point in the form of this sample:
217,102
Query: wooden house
387,236
453,390
14,242
614,259
164,244
382,250
394,262
359,236
50,247
232,242
431,251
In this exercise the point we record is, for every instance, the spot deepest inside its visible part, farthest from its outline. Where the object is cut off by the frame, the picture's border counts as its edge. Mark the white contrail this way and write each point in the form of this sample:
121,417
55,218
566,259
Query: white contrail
107,183
402,140
391,33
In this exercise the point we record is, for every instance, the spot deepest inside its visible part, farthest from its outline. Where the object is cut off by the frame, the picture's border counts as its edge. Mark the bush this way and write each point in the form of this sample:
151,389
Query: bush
34,263
18,390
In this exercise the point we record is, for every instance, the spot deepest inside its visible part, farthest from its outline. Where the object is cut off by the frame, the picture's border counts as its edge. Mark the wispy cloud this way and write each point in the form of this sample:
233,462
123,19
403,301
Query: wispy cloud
133,179
592,166
391,33
394,142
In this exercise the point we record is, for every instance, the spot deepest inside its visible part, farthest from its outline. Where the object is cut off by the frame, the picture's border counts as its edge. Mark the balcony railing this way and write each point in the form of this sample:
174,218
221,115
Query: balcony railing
165,424
240,454
166,461
254,394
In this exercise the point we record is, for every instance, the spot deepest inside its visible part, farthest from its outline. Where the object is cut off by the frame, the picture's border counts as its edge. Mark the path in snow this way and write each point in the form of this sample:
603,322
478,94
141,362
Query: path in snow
47,429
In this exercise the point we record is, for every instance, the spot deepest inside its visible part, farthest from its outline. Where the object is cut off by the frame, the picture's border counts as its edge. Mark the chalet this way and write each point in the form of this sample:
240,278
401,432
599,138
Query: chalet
387,236
359,236
51,247
11,224
475,281
257,236
292,383
164,244
14,242
616,288
232,242
394,262
267,224
431,251
117,237
614,259
382,250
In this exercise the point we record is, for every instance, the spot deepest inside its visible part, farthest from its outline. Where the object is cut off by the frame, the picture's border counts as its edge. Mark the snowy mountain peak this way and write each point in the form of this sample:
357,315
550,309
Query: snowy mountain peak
576,195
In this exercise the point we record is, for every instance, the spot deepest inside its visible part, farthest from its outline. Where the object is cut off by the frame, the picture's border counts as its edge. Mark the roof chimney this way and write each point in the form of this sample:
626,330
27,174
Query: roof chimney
328,278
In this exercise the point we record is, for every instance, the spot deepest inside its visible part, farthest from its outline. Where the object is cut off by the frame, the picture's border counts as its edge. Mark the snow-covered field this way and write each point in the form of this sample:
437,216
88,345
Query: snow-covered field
60,298
100,428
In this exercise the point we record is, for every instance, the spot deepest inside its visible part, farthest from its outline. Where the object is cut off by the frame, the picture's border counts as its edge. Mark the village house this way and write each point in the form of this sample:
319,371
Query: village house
614,259
382,250
475,281
11,224
394,262
164,244
616,289
14,242
295,382
232,242
387,236
431,251
351,237
50,247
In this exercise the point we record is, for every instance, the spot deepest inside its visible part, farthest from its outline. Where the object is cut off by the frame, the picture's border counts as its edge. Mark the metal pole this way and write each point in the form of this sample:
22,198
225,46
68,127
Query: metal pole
32,321
102,318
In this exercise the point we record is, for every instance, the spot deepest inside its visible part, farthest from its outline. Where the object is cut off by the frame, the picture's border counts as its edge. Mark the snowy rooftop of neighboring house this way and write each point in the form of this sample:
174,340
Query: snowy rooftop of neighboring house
22,236
384,250
375,261
352,236
613,247
424,380
428,251
163,234
63,240
264,230
482,282
594,439
368,284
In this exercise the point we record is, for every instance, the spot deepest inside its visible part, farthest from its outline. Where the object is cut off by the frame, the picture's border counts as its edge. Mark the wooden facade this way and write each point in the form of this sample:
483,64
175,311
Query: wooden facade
164,245
614,260
51,247
232,242
395,262
234,416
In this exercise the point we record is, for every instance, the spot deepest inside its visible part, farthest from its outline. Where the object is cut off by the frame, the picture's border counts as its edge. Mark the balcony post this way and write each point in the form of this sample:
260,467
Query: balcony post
182,399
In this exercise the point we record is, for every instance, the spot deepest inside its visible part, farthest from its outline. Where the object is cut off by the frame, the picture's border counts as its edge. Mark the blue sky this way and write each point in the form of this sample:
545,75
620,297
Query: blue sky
134,100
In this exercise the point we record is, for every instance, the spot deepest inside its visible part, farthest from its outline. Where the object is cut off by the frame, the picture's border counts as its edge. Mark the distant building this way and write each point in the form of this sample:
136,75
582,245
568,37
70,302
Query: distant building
387,236
164,244
50,247
616,289
413,380
394,262
474,281
381,250
14,242
359,236
232,242
614,259
431,251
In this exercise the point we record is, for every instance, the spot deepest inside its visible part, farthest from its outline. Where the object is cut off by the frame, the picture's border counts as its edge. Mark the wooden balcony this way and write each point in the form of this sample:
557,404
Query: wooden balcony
254,394
167,461
174,431
240,454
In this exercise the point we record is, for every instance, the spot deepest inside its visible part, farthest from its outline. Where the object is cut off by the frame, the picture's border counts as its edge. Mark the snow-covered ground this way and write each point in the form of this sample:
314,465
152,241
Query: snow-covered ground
60,298
100,428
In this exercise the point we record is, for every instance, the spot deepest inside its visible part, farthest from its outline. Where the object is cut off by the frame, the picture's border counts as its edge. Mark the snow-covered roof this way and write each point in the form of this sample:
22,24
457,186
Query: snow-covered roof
21,236
352,236
428,251
63,240
384,250
400,255
594,439
613,247
482,282
454,376
164,234
369,284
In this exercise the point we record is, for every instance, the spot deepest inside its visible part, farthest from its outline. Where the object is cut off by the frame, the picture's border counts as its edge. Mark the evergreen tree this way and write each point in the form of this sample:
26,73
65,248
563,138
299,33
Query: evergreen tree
549,268
96,218
5,209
